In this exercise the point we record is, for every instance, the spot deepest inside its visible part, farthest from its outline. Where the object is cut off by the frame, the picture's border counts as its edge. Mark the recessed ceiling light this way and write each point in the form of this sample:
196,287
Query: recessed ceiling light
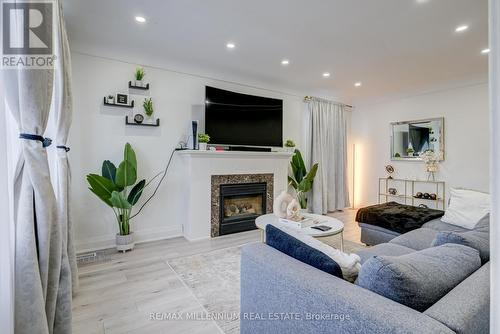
462,28
326,75
485,51
357,84
140,19
285,62
230,45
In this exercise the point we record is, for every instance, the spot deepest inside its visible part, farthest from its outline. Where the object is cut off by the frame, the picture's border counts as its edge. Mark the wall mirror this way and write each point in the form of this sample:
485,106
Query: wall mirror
412,138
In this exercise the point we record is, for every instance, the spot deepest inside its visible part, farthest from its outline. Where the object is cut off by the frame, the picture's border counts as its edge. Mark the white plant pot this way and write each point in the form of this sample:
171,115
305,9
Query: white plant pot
290,149
202,146
111,101
125,242
138,83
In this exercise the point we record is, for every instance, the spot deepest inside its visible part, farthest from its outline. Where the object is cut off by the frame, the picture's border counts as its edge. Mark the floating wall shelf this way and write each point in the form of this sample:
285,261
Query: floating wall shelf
127,122
131,105
138,87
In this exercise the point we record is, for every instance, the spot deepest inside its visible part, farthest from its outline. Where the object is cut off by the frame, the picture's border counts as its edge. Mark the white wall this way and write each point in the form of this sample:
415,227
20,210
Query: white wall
99,133
466,139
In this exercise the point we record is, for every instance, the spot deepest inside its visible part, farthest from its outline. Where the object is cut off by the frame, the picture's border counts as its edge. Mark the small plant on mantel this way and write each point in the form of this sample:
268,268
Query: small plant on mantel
290,145
203,140
139,76
301,180
148,107
118,189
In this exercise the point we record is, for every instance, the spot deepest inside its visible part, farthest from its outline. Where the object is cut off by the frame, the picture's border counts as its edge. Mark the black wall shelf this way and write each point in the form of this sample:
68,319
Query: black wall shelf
138,87
142,124
131,105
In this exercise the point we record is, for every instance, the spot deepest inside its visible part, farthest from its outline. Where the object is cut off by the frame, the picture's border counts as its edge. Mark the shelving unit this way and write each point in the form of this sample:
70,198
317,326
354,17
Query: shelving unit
127,122
138,87
131,105
411,187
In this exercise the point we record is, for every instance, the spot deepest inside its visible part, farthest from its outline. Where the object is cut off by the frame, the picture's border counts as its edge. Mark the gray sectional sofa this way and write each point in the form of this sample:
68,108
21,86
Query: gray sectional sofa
282,295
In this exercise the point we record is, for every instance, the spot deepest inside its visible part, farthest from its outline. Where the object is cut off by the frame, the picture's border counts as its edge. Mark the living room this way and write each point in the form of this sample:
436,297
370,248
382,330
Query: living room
253,167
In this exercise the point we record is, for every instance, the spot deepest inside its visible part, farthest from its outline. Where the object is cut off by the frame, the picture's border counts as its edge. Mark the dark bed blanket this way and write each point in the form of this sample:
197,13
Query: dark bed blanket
397,217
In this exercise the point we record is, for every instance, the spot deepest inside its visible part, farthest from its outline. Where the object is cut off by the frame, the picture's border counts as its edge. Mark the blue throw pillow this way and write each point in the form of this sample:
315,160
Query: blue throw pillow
295,248
419,279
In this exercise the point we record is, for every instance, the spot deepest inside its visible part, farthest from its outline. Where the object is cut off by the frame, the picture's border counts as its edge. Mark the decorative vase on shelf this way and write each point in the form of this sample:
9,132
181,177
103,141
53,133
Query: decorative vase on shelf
125,242
111,99
138,83
202,146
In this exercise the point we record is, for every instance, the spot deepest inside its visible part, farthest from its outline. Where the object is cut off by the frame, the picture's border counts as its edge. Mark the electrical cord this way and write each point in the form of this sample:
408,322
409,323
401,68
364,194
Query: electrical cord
158,185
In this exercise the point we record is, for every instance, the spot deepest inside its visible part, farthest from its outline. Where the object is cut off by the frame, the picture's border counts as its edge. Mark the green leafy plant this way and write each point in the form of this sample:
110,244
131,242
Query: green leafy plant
148,107
289,143
139,73
203,138
301,180
410,151
117,187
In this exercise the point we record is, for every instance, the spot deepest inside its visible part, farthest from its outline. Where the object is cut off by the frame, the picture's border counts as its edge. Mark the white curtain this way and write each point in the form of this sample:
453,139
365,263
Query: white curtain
42,272
327,146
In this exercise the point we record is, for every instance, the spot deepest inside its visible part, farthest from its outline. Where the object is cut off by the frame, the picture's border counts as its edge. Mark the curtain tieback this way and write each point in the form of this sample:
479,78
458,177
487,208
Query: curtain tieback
66,148
45,141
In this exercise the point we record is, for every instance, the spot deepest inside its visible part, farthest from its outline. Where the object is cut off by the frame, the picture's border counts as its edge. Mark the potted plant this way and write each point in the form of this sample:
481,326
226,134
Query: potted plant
301,180
290,145
117,187
139,75
203,140
111,99
148,107
410,151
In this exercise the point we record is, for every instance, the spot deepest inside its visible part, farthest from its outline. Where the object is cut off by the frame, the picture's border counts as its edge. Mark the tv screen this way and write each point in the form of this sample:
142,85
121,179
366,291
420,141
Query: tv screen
244,120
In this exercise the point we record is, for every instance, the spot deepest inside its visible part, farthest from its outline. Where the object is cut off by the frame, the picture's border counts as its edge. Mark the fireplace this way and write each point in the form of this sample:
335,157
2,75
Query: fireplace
237,200
240,204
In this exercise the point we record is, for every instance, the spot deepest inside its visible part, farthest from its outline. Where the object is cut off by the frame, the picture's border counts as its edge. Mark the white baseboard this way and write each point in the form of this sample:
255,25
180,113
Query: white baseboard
108,241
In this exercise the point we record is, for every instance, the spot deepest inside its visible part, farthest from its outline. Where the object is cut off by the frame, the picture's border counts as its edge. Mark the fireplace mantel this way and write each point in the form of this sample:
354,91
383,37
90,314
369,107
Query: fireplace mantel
198,167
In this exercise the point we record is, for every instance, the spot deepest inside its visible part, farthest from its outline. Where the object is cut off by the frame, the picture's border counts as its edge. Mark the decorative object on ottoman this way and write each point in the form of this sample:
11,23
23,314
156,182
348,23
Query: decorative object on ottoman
389,169
431,160
301,180
290,145
138,118
118,189
392,191
203,140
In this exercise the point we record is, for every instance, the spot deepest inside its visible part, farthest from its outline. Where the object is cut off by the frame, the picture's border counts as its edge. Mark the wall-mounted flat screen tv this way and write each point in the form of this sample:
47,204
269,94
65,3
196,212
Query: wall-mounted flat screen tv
236,119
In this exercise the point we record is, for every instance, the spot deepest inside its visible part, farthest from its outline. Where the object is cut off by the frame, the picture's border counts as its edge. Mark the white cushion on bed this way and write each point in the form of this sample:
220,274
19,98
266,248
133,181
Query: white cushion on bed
466,208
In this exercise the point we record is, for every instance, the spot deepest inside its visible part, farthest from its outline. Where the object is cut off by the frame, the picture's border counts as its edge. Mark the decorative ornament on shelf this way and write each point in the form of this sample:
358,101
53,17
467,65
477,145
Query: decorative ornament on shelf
203,140
139,76
431,160
138,118
389,169
392,191
290,145
111,99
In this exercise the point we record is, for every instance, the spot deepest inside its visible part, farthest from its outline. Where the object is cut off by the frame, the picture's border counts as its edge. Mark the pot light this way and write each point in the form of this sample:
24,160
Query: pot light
140,19
285,62
326,75
230,45
485,51
462,28
357,84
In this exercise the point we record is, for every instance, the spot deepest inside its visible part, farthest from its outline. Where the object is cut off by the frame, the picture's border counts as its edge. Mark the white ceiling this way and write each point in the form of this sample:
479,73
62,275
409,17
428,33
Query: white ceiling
395,47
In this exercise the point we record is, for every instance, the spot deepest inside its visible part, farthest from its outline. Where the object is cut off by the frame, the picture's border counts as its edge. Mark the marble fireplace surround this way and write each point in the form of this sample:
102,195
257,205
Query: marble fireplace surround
218,180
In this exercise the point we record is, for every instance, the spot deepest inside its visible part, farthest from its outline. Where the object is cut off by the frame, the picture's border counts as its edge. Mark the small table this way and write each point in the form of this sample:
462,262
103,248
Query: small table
337,227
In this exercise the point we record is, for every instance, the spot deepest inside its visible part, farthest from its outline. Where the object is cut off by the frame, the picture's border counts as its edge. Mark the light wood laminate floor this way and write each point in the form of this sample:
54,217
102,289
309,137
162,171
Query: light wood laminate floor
121,292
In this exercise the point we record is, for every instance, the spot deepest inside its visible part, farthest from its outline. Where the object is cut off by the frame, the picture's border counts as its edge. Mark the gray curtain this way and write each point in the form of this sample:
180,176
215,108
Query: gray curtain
328,147
42,290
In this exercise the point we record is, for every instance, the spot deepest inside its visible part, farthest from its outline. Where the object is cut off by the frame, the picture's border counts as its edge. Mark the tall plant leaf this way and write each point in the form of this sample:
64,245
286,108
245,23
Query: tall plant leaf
306,184
129,155
136,192
126,174
108,170
101,187
298,166
119,201
292,182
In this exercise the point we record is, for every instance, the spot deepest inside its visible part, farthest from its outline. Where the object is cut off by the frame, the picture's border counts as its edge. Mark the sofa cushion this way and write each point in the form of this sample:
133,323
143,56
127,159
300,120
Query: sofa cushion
295,248
438,225
383,249
466,208
417,239
474,239
419,279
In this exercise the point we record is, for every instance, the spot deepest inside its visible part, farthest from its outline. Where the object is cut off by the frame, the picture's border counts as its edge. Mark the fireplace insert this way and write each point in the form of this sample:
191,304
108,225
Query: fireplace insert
239,205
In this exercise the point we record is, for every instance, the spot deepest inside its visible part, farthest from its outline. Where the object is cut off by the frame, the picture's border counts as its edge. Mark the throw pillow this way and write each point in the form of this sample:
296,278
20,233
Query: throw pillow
466,208
295,248
419,279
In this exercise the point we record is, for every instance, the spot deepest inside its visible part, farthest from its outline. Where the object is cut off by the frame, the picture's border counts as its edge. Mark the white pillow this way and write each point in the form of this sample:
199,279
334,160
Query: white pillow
466,208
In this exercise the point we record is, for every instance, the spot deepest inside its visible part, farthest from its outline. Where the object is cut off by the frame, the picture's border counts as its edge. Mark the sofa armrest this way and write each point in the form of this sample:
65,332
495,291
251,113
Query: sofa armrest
282,295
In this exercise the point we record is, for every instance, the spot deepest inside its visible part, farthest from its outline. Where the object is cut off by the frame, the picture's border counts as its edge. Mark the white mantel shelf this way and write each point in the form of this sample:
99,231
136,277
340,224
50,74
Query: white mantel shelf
236,154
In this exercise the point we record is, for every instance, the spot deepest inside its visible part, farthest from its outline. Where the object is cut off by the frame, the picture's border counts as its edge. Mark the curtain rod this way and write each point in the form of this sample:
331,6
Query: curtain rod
310,98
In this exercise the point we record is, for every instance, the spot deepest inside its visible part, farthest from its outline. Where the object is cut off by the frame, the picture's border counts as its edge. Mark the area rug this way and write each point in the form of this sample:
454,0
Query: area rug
214,279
